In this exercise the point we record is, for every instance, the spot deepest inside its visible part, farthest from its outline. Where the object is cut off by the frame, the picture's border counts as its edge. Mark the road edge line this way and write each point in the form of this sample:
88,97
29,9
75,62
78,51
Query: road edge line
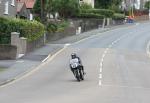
30,72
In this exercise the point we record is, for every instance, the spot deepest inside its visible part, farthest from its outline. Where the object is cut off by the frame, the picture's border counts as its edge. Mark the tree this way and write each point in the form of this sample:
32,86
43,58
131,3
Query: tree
108,4
37,7
147,5
103,4
65,8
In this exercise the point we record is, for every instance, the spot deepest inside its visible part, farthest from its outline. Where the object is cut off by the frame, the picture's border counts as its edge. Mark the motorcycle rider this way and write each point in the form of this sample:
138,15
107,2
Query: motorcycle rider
75,58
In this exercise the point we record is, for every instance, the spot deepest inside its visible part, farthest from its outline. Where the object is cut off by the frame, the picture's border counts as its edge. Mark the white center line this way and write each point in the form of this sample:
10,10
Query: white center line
105,53
100,82
100,76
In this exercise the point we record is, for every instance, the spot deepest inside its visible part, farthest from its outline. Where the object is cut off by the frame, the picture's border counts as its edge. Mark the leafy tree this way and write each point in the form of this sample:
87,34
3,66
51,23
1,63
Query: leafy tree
65,8
147,5
37,7
103,4
108,4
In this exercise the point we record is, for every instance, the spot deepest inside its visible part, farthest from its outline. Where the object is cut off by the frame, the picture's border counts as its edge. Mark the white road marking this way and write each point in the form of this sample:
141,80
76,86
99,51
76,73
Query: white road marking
100,82
100,76
46,58
100,70
148,49
105,53
28,73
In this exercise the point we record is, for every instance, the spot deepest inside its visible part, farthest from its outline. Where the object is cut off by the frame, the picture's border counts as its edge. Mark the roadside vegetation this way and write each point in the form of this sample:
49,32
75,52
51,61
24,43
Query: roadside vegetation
32,30
147,5
58,26
65,9
1,69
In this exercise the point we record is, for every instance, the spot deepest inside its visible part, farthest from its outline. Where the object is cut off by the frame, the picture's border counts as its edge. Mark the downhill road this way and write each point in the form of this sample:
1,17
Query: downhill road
117,71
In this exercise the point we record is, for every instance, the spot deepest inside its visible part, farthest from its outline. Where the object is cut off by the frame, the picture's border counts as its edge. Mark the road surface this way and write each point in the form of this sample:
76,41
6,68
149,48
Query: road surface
117,71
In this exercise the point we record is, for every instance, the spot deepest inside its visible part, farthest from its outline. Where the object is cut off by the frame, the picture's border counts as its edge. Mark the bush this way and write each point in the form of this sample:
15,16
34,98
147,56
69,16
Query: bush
51,27
32,30
118,16
147,5
85,6
105,12
90,15
57,27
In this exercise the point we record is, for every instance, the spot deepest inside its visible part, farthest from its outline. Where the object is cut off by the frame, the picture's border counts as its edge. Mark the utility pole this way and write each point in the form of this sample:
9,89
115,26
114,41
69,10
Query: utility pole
149,9
42,9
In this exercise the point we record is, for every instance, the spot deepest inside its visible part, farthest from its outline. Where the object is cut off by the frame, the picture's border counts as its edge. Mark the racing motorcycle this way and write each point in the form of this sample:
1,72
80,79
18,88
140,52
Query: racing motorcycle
77,71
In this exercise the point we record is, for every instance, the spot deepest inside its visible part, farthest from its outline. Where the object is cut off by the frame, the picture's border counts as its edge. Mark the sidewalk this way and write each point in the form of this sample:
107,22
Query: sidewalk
17,68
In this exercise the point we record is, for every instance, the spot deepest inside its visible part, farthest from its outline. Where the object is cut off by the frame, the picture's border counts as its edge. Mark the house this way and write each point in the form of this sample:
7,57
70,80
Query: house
8,8
91,2
138,4
24,8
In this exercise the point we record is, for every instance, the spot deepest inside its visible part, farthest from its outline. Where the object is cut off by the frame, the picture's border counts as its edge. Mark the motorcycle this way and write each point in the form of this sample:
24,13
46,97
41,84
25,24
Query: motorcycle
77,71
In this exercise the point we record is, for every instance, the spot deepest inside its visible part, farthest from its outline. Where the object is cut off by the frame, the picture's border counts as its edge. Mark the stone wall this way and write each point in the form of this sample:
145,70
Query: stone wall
117,22
8,52
31,46
141,18
59,35
87,24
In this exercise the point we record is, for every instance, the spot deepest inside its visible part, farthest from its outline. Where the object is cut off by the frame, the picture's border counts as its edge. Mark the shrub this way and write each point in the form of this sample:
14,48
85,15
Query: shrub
90,15
105,12
57,26
85,6
32,30
118,16
51,27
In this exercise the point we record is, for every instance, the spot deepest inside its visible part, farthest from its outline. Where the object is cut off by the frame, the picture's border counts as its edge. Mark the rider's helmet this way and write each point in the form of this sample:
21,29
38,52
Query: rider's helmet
73,55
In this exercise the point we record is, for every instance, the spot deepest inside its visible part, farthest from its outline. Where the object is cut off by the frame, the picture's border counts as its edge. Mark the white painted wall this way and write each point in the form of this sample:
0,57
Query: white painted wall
91,2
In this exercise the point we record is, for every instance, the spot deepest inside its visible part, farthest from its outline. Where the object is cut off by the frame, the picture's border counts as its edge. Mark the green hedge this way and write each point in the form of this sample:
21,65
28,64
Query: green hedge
105,12
118,16
90,15
57,26
32,30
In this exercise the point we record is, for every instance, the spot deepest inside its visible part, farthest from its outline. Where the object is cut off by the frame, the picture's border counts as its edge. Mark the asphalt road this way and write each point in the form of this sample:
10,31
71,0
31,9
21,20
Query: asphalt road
117,71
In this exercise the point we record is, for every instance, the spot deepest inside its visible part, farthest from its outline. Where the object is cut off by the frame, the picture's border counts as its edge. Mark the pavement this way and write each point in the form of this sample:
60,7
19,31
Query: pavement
17,68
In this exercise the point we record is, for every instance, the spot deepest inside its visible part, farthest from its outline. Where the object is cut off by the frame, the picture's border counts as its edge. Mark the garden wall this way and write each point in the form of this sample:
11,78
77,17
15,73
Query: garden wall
7,52
69,31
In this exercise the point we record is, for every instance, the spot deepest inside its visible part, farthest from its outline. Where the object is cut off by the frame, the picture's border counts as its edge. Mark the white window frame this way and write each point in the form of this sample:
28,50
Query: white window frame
12,2
6,8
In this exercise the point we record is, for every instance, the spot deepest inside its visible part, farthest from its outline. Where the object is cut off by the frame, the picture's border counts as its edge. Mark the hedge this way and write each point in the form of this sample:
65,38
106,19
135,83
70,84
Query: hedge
118,16
104,12
57,26
32,30
90,15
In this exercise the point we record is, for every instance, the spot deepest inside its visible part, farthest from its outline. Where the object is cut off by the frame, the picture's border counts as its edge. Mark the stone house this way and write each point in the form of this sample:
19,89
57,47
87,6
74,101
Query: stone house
24,8
138,4
8,8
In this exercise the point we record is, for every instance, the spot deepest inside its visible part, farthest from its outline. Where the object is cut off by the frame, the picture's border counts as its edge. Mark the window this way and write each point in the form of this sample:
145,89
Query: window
13,2
6,8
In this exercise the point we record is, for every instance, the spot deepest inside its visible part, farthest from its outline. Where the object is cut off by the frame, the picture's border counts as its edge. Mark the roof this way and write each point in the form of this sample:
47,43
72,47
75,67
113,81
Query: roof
20,6
29,3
